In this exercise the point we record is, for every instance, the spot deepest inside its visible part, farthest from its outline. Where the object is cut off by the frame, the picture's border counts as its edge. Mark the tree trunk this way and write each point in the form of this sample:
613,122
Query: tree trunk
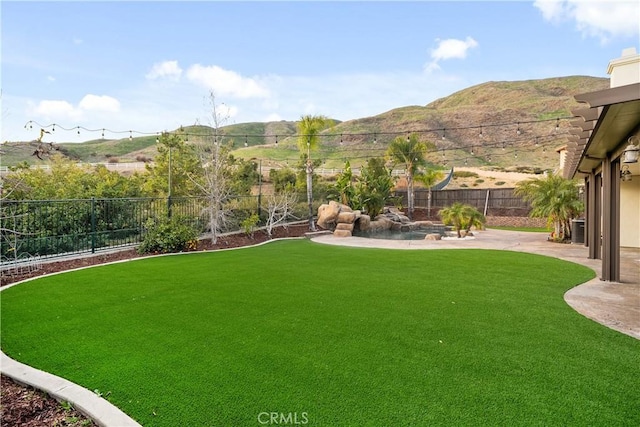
312,225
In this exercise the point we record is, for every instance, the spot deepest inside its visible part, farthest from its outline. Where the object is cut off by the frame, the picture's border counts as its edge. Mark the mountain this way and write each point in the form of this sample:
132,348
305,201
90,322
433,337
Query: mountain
517,121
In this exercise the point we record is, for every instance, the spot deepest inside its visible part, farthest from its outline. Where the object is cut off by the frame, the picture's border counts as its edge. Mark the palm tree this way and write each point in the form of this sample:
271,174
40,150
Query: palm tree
555,198
454,215
429,178
309,128
473,218
409,152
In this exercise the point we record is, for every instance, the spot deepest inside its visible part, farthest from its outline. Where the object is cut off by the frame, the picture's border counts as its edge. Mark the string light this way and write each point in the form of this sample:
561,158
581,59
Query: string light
518,130
370,152
246,143
557,124
444,134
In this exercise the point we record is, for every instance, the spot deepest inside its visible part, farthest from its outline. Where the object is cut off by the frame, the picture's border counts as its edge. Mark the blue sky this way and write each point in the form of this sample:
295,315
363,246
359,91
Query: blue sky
149,66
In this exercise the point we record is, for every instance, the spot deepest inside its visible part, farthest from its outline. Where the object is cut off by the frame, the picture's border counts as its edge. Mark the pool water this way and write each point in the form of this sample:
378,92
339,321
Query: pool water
418,234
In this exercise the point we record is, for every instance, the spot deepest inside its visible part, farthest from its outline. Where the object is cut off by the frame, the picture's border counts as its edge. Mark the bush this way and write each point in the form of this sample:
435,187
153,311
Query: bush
500,183
249,224
464,174
167,235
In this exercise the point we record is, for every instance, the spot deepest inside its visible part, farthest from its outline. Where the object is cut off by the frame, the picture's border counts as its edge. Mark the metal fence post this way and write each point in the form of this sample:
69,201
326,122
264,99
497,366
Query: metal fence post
93,225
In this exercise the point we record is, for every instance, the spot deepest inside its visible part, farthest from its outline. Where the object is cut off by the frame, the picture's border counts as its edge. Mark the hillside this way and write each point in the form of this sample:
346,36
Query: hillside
517,121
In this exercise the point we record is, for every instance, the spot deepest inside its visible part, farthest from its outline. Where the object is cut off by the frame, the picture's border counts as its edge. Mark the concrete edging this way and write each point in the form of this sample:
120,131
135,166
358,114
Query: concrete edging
101,411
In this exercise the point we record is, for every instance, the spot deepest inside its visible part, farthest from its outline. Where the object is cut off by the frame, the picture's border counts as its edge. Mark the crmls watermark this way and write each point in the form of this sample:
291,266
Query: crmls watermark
283,418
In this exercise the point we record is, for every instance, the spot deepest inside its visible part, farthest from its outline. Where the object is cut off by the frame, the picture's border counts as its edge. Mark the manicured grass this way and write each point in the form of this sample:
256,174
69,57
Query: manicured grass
348,336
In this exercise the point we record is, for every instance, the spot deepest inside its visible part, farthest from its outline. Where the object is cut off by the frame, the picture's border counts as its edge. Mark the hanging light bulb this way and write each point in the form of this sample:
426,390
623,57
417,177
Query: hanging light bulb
518,132
103,133
375,139
504,146
465,162
246,143
78,130
472,150
537,143
407,137
130,135
516,155
557,124
157,138
481,135
340,139
276,140
444,134
54,128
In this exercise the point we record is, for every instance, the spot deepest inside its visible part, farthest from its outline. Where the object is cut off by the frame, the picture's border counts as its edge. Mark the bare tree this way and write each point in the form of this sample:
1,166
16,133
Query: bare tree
215,182
279,208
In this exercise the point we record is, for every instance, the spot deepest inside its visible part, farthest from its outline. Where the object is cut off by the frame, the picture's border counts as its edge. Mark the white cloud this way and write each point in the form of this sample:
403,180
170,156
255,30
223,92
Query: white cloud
56,110
60,110
226,82
450,49
166,69
99,103
601,19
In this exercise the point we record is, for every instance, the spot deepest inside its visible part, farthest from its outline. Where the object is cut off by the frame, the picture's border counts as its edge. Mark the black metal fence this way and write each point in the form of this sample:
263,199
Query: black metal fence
45,228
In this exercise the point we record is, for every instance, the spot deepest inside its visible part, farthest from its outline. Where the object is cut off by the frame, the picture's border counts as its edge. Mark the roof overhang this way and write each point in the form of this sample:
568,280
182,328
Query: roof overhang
612,115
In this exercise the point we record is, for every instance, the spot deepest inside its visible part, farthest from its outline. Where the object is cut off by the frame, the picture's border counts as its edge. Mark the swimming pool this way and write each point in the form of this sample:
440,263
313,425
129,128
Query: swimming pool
417,234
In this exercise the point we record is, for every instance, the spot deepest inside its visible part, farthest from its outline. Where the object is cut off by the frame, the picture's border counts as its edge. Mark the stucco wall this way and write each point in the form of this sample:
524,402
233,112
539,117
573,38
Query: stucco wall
630,213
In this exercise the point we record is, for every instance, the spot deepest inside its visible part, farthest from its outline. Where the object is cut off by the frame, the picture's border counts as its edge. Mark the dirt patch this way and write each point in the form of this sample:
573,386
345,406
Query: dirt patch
26,407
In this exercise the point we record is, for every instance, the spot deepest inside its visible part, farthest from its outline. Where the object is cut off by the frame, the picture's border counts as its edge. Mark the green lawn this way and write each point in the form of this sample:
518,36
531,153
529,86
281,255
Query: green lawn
337,336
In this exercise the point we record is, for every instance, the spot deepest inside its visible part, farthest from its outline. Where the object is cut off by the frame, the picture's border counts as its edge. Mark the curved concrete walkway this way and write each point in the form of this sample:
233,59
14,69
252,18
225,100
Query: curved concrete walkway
615,305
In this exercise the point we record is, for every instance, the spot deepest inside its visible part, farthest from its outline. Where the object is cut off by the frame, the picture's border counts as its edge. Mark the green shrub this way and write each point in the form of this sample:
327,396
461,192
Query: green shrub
500,183
464,174
249,224
167,235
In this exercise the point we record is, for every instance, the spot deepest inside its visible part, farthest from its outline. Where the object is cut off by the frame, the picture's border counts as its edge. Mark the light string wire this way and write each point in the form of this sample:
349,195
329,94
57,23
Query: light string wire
473,151
442,131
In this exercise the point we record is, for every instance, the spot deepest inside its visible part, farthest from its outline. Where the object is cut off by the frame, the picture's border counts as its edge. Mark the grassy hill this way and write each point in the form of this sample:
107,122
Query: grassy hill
517,121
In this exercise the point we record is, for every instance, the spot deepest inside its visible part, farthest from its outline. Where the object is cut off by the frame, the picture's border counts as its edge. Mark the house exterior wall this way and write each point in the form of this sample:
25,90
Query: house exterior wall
630,213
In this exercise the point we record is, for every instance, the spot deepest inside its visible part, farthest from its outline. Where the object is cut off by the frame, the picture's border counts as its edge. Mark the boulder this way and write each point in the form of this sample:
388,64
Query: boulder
344,226
364,223
327,214
433,236
342,233
346,217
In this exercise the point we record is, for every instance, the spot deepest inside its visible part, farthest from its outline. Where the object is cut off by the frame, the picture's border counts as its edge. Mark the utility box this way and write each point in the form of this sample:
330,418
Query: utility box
577,231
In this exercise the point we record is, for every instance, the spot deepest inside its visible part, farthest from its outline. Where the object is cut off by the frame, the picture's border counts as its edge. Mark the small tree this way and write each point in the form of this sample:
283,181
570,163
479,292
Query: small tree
555,198
462,217
410,152
373,188
309,128
215,179
344,189
280,207
429,178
